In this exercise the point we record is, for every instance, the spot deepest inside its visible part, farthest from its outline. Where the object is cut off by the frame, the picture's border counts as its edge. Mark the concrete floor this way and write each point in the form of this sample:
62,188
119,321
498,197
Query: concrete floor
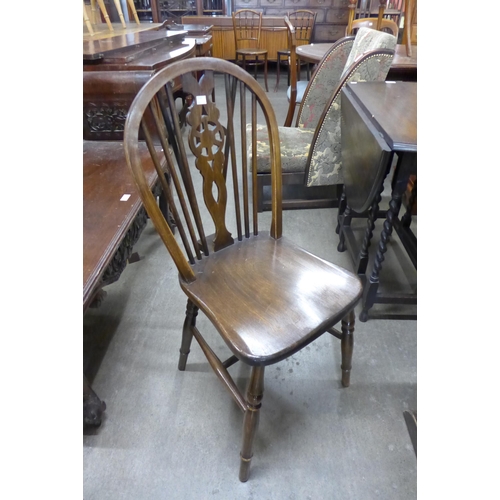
168,434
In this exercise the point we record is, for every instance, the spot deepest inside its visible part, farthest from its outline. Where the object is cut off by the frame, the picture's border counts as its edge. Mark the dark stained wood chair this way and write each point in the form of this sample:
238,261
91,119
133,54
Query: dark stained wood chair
266,297
247,27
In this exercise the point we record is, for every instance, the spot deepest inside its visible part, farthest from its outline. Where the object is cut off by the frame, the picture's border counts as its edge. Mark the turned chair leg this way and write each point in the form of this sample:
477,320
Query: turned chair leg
277,74
255,393
265,72
346,345
187,334
105,14
134,11
120,13
87,20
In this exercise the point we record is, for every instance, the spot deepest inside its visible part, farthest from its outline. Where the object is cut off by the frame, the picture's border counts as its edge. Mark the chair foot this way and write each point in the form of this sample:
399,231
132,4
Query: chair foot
347,345
251,420
244,469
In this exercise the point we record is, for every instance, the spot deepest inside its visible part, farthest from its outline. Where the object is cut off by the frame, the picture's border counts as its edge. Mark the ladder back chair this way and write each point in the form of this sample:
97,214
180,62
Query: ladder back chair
247,28
265,296
310,151
302,22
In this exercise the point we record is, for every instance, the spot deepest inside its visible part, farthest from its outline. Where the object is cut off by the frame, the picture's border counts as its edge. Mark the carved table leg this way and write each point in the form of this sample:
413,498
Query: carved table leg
346,345
187,334
406,220
93,407
371,288
370,226
345,221
341,209
255,393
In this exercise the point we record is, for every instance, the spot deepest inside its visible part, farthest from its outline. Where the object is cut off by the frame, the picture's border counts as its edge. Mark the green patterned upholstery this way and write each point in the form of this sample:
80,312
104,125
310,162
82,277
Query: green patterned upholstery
323,83
314,146
367,40
294,147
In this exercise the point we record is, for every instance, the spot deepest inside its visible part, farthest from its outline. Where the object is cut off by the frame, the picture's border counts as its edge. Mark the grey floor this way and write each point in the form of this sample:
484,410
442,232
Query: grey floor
168,434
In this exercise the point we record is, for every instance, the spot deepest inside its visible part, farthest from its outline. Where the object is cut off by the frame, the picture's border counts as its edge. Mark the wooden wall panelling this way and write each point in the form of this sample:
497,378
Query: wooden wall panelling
273,37
331,15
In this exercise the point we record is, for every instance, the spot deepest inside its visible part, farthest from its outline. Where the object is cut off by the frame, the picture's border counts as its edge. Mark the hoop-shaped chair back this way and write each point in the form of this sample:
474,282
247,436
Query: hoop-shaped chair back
387,25
215,137
247,26
303,22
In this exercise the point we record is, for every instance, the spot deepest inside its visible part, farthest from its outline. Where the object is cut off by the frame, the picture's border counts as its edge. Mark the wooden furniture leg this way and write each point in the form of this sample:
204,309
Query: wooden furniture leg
381,9
93,407
345,220
341,210
255,393
352,12
411,423
265,71
346,346
362,259
105,14
93,11
134,12
407,28
187,334
371,287
87,20
120,13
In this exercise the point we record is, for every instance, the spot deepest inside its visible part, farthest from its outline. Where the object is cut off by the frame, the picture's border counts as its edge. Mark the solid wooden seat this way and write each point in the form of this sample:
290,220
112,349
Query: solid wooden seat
266,297
298,310
247,27
250,52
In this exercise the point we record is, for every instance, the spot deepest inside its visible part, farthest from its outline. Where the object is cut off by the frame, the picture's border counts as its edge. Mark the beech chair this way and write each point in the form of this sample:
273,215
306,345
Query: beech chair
266,297
310,151
247,27
387,25
102,7
302,22
363,9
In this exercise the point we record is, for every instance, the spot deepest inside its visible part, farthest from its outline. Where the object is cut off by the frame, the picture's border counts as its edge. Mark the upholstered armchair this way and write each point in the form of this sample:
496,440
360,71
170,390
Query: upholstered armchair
310,151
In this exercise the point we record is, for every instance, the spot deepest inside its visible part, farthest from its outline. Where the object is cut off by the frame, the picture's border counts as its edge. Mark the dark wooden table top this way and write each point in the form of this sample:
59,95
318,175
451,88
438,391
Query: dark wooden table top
106,219
147,50
314,52
97,49
392,107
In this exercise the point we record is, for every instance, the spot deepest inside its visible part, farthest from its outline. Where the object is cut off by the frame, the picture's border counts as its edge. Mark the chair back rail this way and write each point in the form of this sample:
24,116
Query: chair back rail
292,44
247,27
209,146
303,21
387,25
